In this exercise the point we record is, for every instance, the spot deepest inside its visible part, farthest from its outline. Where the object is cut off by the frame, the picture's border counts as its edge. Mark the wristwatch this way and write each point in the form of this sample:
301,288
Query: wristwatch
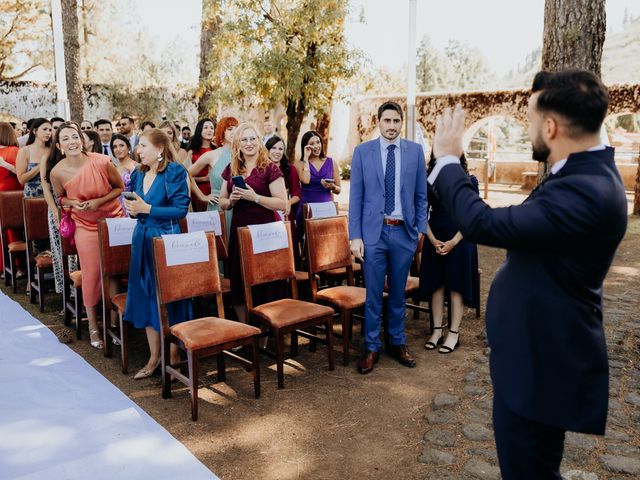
257,199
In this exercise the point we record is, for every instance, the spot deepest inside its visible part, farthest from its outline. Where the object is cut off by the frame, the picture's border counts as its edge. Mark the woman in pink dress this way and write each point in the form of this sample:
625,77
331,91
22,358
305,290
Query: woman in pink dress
90,185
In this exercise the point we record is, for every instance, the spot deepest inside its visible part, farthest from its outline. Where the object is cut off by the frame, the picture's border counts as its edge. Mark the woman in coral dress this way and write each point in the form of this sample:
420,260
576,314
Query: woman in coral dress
8,179
90,185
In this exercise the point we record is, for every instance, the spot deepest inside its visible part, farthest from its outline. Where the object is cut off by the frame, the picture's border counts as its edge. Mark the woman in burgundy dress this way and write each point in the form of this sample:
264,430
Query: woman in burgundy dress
265,193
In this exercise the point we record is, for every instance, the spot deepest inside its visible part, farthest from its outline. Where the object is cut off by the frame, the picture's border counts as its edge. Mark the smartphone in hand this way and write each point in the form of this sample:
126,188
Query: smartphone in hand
238,181
129,195
329,180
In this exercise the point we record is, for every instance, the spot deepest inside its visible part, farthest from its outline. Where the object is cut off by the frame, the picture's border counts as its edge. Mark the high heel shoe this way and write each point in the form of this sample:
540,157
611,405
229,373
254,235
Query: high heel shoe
95,343
432,346
446,349
146,372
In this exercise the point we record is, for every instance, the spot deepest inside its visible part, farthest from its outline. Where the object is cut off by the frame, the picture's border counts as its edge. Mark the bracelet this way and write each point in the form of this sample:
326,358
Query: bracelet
257,199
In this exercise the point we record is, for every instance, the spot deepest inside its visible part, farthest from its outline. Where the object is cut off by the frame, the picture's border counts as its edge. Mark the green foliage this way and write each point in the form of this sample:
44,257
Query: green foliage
25,37
277,52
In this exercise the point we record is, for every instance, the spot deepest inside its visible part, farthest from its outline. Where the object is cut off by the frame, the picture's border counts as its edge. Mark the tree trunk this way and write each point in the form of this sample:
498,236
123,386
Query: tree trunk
72,58
323,123
574,32
296,111
210,26
636,192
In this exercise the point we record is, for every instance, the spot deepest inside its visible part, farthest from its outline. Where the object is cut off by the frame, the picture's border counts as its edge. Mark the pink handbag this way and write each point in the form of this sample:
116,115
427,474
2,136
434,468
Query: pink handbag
67,225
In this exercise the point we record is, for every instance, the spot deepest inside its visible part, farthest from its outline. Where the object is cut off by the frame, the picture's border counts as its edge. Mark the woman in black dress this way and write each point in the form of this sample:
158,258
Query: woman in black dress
449,266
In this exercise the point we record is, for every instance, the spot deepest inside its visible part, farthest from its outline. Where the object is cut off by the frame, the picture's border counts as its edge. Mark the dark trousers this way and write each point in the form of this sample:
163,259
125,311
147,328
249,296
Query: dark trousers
527,450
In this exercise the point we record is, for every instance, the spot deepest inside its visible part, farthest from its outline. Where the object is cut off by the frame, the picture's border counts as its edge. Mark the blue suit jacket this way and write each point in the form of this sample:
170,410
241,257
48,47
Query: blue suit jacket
366,191
544,311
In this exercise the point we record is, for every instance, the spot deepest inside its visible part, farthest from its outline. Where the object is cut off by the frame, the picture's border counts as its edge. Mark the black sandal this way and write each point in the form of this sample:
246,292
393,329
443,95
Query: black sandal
444,349
433,346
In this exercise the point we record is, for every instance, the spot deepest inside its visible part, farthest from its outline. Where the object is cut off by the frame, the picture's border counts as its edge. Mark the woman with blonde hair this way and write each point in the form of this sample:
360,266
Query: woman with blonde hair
265,193
161,193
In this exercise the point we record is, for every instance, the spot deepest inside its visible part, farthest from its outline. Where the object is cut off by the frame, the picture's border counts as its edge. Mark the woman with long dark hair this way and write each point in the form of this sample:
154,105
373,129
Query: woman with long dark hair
201,142
277,154
90,185
449,266
30,156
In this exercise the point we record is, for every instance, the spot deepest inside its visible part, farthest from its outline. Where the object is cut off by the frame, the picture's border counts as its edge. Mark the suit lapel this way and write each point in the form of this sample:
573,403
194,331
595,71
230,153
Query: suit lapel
404,160
377,161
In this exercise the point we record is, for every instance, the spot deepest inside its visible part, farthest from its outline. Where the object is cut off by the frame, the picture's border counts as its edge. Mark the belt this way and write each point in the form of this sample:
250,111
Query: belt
392,221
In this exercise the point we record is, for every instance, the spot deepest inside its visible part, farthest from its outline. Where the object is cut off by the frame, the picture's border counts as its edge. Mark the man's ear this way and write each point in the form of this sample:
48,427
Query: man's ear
550,127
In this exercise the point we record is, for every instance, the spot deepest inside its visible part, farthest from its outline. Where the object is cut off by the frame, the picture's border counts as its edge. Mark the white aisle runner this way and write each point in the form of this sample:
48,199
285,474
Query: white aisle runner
61,419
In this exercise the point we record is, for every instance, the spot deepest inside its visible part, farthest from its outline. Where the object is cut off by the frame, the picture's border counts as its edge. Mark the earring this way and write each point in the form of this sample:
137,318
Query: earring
62,152
159,157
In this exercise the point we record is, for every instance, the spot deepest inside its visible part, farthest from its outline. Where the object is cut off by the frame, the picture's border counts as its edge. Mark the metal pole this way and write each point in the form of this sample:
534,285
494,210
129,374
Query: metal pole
411,76
58,49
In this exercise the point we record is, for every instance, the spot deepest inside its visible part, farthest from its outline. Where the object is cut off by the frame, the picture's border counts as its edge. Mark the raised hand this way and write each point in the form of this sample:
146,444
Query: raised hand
449,133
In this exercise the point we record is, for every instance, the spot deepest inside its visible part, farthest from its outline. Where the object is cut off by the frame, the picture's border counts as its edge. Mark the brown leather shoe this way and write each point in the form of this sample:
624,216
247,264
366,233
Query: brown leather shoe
401,353
366,363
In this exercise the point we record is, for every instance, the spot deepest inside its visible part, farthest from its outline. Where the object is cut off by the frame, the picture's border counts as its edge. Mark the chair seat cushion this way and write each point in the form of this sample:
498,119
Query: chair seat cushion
76,278
286,312
119,301
44,261
343,296
209,331
15,247
413,284
337,272
225,284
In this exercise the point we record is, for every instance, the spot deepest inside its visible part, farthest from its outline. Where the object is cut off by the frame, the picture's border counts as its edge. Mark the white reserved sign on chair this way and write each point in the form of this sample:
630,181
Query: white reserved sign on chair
185,248
120,231
268,237
323,209
204,222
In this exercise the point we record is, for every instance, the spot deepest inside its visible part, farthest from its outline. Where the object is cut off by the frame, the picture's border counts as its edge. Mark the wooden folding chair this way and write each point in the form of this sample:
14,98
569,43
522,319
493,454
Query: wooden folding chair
11,218
288,315
328,248
36,227
71,286
114,268
202,337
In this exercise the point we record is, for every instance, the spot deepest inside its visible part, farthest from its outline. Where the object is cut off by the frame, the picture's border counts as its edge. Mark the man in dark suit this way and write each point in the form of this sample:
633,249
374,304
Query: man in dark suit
387,213
544,312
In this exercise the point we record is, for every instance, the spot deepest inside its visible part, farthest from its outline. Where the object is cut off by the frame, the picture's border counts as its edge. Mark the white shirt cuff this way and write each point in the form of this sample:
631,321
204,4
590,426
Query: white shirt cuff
440,163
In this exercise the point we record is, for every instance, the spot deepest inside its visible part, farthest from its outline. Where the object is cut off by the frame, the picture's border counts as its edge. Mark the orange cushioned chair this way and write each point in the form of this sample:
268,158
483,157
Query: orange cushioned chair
71,283
288,315
202,337
327,249
36,227
114,269
11,217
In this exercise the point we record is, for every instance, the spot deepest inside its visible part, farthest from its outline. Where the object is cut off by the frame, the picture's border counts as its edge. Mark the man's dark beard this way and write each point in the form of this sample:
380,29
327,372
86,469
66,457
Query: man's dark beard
540,152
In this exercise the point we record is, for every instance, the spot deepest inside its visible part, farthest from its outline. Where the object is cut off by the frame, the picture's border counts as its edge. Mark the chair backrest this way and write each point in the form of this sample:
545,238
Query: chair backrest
113,260
327,244
179,282
307,212
221,240
265,267
11,213
36,223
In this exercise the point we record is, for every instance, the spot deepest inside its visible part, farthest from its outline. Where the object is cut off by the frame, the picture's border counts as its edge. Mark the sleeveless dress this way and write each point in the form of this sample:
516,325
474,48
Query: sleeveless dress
314,192
33,189
91,181
458,270
204,185
168,196
216,181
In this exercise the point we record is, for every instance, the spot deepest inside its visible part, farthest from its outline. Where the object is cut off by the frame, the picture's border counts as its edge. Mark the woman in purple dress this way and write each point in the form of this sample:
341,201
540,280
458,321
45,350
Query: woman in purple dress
265,193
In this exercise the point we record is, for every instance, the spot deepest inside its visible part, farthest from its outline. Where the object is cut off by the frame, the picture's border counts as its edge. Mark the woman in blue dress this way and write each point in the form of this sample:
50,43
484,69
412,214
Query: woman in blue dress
162,198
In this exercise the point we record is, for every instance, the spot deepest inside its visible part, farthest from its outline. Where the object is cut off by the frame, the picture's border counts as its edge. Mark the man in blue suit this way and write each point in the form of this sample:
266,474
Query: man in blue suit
544,313
387,214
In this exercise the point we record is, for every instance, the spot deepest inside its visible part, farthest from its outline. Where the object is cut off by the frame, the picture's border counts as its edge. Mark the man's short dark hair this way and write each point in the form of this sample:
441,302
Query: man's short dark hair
126,117
185,128
102,121
56,119
147,123
578,95
390,106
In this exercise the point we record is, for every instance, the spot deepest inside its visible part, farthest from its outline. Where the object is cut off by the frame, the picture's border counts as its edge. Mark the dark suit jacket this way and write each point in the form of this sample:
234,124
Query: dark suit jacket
544,311
366,191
